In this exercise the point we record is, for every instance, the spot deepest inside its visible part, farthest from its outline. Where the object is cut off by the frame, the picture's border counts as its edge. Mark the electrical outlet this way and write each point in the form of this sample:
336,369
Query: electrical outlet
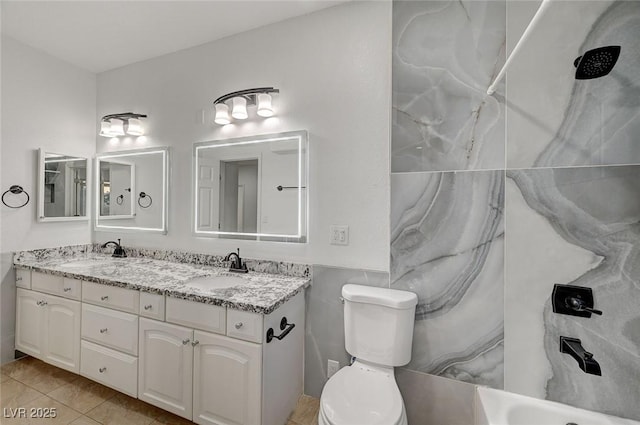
339,234
332,367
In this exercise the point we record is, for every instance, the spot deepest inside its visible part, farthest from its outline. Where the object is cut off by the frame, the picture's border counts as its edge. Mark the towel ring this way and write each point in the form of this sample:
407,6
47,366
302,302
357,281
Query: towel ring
120,199
16,190
142,196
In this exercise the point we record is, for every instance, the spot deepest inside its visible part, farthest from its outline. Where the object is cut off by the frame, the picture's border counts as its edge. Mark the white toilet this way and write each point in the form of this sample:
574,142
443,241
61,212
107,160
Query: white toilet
378,328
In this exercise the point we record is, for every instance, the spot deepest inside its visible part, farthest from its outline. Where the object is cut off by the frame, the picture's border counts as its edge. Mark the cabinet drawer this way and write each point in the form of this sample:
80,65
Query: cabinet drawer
111,296
152,305
197,315
244,325
23,278
111,368
56,285
111,328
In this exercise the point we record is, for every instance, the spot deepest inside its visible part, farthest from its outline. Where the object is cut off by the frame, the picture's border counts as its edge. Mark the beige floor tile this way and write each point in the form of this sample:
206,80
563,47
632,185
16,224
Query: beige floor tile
16,394
83,420
306,412
63,414
3,377
167,418
82,394
39,375
122,409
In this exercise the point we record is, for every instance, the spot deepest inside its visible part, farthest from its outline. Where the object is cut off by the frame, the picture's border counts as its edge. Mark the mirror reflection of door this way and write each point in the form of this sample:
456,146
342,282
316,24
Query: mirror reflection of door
239,182
115,189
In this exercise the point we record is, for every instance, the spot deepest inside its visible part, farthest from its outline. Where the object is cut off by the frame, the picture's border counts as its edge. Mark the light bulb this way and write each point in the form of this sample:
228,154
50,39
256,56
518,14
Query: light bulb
105,129
265,109
239,110
134,127
222,114
117,127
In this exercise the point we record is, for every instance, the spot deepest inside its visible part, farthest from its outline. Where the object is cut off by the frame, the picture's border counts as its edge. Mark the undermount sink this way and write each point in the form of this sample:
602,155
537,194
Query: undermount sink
215,282
78,264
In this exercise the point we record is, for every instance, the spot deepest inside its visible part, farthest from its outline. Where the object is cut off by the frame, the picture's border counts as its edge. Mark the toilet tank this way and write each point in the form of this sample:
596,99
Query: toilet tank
378,324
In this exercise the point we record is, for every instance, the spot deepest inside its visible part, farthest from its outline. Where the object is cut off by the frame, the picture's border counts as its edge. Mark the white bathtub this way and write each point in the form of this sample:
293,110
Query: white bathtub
494,407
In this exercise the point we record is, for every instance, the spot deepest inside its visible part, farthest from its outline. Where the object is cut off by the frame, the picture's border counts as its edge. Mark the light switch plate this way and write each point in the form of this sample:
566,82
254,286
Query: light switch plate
339,234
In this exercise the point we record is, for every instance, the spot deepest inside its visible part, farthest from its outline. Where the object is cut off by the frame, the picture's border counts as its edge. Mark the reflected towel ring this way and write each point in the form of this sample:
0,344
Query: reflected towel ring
16,190
120,199
144,195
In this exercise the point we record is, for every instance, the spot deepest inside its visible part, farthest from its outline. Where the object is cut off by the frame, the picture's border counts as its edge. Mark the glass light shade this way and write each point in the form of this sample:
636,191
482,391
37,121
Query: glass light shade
117,127
105,129
222,114
239,110
134,128
265,109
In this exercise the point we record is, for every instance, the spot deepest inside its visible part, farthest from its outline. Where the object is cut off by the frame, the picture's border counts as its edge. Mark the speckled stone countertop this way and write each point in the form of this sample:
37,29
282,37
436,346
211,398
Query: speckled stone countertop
262,292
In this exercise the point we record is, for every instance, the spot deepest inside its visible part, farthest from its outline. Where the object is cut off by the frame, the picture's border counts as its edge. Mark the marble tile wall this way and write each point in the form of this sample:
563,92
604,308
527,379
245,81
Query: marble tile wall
561,205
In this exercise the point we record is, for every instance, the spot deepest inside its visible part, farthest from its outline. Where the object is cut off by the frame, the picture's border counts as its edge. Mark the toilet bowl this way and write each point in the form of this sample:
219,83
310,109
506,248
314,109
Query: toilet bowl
362,395
378,324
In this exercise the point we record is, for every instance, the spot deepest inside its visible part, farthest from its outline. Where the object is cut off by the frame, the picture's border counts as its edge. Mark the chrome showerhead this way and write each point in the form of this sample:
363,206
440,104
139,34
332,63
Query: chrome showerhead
596,63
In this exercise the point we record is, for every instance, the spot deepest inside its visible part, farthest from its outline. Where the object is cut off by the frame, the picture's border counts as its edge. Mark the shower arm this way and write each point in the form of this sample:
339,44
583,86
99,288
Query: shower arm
534,21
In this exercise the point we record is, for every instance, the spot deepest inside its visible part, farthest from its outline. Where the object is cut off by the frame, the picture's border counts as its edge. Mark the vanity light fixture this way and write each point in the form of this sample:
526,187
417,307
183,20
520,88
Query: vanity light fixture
260,96
116,125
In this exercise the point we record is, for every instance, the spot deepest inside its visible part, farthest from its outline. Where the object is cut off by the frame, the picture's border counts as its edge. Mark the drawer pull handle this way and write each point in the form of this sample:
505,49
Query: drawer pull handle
185,341
102,369
66,289
194,343
148,307
239,325
103,330
42,303
104,298
18,279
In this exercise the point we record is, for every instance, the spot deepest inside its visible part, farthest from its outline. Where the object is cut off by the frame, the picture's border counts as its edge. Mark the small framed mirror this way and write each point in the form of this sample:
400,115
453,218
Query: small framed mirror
132,190
252,188
62,187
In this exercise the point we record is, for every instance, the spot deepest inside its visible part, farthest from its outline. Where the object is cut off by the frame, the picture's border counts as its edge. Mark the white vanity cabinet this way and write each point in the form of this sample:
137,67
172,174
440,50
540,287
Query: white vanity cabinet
48,328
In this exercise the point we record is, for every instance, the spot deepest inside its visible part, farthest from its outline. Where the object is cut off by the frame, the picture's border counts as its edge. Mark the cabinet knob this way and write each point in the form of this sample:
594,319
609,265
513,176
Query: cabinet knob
194,343
104,298
102,369
185,341
239,325
103,330
148,307
66,289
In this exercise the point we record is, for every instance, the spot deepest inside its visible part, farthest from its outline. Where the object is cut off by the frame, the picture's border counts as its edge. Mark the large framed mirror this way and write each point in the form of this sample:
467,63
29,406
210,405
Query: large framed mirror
132,190
62,187
252,188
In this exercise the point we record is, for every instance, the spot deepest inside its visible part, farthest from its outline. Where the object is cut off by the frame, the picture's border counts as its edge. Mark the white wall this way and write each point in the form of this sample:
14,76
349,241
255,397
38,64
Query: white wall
333,69
46,103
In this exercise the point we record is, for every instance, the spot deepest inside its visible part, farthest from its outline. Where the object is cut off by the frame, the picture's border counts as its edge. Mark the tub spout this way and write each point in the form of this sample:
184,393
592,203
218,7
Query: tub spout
573,347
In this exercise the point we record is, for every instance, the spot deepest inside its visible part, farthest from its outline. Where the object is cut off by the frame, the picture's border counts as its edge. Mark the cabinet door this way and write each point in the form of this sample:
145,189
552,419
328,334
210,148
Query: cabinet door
165,366
227,380
62,333
29,321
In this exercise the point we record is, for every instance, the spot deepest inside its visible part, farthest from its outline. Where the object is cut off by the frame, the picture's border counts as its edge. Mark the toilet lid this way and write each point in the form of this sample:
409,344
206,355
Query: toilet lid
358,395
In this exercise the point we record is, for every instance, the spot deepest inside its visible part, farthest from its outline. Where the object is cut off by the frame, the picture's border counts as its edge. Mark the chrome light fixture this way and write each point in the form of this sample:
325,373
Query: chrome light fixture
262,97
116,125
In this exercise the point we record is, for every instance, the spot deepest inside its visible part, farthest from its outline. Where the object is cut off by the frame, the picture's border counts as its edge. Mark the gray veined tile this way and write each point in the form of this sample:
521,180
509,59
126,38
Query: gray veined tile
575,226
447,246
445,55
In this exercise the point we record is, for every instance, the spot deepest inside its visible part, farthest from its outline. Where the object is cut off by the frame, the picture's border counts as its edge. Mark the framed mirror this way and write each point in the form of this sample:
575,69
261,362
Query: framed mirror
132,190
62,187
252,188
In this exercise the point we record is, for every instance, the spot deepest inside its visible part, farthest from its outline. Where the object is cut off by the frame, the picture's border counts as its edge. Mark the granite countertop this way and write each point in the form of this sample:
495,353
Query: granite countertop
262,292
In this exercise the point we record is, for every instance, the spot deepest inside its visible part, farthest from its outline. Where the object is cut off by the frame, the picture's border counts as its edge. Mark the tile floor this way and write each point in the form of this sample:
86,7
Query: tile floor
30,383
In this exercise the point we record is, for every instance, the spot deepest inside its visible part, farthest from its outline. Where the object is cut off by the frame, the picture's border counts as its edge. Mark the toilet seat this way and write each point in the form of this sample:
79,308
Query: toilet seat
362,395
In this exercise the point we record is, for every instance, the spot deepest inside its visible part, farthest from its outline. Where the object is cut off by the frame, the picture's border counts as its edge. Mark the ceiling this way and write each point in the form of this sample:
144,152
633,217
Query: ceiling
103,35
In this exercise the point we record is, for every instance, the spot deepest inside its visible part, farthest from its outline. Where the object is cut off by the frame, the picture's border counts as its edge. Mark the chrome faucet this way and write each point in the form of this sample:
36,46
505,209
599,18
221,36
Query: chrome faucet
118,252
237,265
573,347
